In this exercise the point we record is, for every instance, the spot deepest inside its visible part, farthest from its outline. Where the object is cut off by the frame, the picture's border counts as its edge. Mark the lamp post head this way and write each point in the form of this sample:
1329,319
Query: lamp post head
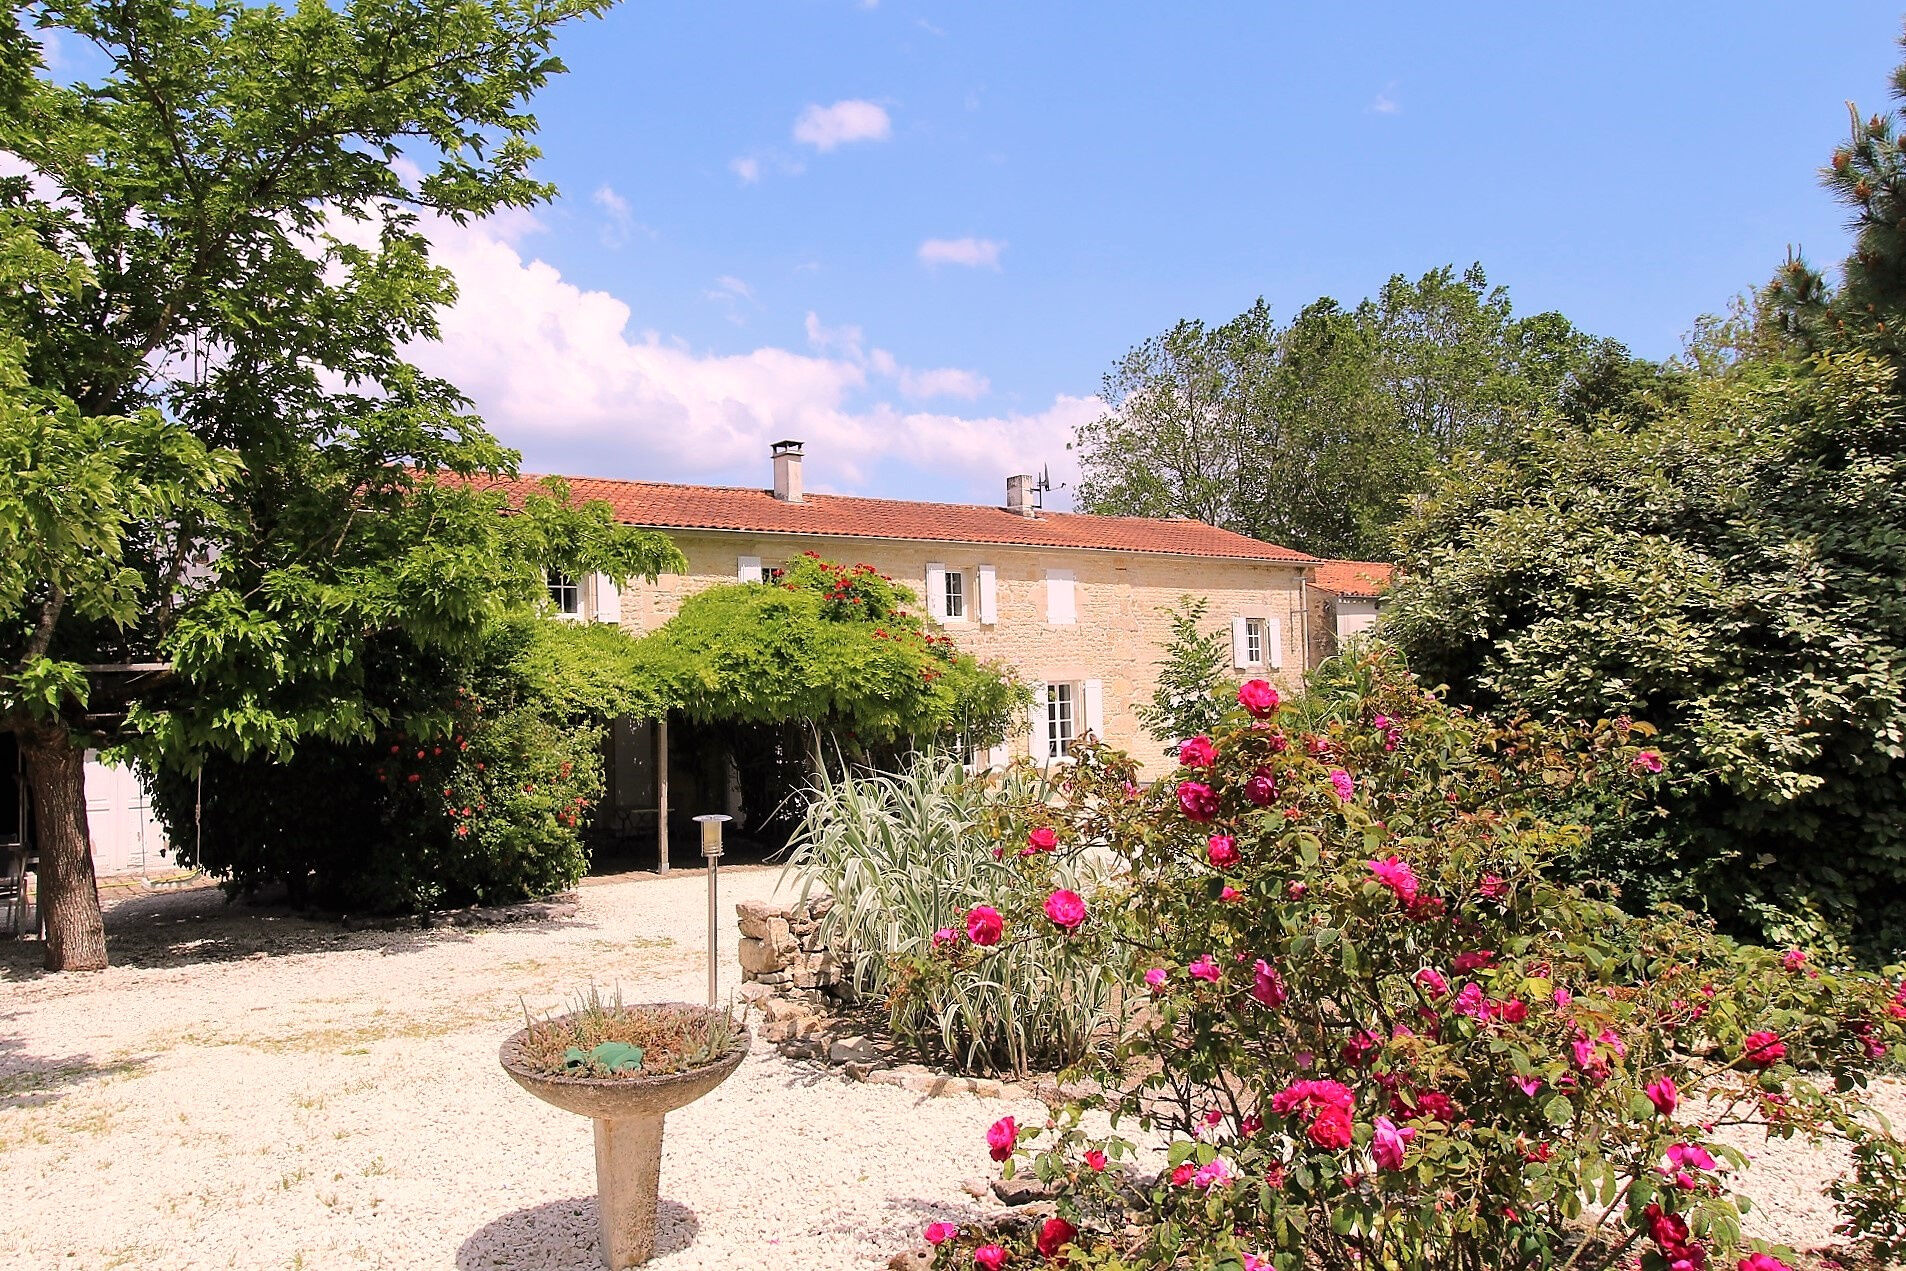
711,824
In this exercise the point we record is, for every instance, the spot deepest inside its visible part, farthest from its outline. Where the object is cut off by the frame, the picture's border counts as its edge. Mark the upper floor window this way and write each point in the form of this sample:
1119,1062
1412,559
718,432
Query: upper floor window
955,596
565,593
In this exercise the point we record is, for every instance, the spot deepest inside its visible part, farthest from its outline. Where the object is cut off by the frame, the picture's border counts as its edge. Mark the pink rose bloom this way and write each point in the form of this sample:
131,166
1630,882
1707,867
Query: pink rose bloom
1000,1137
1066,909
1431,981
1757,1262
1261,790
940,1232
1222,851
1042,839
1471,1002
1647,761
1230,894
1197,800
1493,887
1267,986
1197,752
1258,697
1563,997
1205,968
1665,1095
1181,1177
1341,782
1478,960
1390,1143
1156,978
1397,876
1793,959
984,925
1095,1161
1763,1050
945,936
1216,1173
1690,1156
991,1257
1528,1085
1314,1095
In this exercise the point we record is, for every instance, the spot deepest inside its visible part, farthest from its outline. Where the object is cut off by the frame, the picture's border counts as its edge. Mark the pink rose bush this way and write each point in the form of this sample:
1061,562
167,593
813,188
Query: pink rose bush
1400,1041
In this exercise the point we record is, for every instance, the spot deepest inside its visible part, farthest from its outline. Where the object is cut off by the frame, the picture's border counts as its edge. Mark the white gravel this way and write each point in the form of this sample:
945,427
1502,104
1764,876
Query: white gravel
247,1090
250,1090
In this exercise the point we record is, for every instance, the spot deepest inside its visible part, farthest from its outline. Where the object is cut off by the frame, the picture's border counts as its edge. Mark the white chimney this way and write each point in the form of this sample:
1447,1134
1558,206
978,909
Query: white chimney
787,471
1019,495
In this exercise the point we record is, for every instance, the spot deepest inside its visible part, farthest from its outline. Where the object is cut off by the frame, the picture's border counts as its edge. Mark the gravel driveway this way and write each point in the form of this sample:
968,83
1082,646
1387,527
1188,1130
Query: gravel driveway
252,1090
248,1089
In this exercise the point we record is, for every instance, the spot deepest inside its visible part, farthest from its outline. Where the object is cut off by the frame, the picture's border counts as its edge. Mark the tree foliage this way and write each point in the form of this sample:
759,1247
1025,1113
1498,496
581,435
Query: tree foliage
842,646
1192,671
1314,434
248,188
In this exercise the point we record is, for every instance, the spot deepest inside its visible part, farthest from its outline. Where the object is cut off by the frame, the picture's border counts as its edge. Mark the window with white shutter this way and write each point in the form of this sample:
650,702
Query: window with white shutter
1061,608
1036,742
1240,642
936,592
748,569
988,595
1095,708
607,597
565,594
1274,642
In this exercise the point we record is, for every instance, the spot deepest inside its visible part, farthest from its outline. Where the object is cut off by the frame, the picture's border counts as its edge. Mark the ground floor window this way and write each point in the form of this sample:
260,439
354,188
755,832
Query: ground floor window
1062,717
564,593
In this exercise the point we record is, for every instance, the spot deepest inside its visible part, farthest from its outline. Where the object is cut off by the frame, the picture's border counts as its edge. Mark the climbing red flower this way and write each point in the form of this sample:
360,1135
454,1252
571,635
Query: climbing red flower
1066,909
1197,800
1000,1137
1054,1235
938,1233
1043,838
990,1257
984,926
1665,1095
1763,1049
1397,876
1222,851
1197,752
1258,697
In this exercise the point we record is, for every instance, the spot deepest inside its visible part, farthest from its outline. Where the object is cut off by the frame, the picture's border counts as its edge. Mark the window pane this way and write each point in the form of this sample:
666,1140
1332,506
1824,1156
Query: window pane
1253,641
1059,719
564,593
955,594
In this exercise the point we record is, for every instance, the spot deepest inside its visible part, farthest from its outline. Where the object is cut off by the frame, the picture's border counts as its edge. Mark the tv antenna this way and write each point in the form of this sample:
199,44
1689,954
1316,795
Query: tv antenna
1041,486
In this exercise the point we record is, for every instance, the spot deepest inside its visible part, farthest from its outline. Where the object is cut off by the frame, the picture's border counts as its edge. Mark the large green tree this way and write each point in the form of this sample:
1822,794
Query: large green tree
246,187
1315,434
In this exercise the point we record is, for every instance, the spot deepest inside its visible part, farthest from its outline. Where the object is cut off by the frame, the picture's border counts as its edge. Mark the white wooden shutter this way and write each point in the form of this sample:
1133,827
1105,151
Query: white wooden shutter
1060,609
988,595
936,592
748,569
1273,643
1240,642
996,756
608,600
1095,708
1038,745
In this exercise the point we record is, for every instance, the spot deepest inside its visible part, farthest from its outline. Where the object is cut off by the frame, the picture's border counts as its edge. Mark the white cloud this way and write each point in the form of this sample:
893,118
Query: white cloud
825,127
747,168
1385,102
619,223
558,372
973,253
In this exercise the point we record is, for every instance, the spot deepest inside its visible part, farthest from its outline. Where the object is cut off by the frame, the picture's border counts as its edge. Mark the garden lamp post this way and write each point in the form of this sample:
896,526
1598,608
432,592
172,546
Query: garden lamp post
711,850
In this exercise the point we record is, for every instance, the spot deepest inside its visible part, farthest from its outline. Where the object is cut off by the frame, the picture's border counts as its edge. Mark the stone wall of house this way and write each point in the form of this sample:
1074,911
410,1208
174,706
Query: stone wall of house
788,974
1120,600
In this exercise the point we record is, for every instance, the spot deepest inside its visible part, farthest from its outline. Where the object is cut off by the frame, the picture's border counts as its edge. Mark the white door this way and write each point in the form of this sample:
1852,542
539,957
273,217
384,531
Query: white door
127,839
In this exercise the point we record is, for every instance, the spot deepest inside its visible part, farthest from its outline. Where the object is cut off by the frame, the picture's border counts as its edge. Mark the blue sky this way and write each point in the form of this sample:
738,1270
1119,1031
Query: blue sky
750,191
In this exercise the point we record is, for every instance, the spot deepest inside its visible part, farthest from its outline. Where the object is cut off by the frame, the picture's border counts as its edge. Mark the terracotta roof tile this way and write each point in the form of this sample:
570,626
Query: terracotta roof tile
1358,579
684,507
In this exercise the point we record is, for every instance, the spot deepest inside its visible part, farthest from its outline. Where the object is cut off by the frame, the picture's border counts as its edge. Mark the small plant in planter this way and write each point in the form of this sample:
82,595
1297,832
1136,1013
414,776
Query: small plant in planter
625,1067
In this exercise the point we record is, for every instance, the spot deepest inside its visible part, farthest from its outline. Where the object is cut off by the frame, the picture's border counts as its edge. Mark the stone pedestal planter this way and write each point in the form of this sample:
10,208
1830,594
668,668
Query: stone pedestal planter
628,1113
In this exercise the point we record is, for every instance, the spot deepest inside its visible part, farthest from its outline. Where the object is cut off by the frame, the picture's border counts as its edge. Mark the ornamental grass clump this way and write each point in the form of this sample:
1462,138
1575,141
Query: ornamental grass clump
1372,1031
915,863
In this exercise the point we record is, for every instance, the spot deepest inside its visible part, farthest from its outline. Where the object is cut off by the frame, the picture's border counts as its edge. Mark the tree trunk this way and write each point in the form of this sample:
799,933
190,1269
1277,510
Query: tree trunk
69,894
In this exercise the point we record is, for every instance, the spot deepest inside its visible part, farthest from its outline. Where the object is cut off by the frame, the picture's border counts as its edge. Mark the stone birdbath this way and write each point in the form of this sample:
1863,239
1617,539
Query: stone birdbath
627,1111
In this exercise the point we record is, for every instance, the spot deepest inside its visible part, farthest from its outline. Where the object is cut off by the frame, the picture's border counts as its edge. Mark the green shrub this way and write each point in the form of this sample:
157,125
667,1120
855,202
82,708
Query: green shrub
1192,676
1377,1033
907,858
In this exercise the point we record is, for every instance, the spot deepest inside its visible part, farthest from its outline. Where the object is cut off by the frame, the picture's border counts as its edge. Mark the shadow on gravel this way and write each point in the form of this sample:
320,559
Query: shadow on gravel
560,1235
195,926
32,1081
